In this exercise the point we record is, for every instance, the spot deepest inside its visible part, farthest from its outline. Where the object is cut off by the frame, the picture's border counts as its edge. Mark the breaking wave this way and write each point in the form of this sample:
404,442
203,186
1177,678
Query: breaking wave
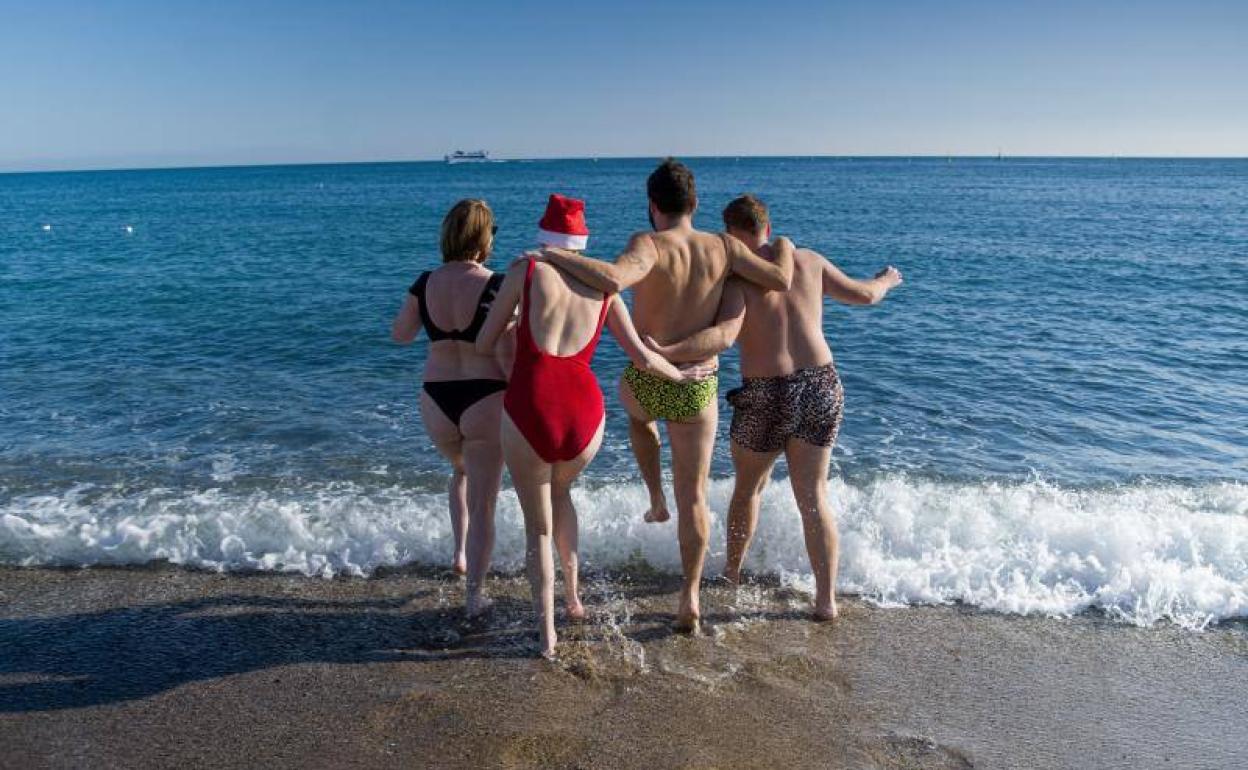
1141,553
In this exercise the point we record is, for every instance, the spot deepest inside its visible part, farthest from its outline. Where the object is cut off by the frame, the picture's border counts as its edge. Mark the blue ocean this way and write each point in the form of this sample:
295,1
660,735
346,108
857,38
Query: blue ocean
1050,416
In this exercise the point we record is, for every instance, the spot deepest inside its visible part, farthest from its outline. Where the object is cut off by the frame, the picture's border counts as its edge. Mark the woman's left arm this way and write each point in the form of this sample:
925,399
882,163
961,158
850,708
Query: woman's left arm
502,309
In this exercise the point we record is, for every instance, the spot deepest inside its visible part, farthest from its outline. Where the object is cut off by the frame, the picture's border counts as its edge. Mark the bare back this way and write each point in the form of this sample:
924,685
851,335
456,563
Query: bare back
783,331
452,296
563,312
680,295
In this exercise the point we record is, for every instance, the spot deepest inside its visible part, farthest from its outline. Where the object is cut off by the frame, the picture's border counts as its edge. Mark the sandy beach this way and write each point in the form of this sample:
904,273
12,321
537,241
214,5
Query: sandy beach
165,667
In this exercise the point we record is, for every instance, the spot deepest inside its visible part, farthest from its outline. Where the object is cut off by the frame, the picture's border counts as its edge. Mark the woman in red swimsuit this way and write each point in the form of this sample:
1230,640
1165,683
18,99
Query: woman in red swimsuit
553,410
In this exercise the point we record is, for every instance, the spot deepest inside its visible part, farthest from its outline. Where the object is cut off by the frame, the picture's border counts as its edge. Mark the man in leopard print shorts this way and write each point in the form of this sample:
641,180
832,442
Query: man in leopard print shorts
768,411
790,398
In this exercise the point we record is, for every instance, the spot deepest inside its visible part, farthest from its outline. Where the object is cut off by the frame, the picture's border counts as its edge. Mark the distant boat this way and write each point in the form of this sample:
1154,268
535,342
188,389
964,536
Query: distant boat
474,156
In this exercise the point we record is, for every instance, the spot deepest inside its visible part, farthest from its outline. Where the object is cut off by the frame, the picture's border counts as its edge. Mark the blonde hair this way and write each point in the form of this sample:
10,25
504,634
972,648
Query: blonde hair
467,231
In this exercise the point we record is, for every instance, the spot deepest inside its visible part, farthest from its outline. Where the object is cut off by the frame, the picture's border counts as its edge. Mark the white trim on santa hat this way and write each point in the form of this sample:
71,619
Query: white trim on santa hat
562,240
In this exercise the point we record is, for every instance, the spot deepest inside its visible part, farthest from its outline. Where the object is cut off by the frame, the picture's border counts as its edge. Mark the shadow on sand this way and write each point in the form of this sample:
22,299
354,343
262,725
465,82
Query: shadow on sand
126,653
91,658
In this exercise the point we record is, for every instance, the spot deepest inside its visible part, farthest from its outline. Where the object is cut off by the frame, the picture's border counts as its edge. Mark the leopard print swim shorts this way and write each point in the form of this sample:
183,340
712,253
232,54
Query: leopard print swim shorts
768,411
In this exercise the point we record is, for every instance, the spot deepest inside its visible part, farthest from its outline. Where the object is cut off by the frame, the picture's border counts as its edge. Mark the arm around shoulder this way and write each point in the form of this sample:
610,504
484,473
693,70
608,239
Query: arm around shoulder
776,275
609,277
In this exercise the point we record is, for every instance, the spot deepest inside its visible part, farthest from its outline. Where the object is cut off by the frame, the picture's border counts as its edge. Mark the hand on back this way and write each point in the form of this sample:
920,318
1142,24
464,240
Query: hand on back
695,370
698,370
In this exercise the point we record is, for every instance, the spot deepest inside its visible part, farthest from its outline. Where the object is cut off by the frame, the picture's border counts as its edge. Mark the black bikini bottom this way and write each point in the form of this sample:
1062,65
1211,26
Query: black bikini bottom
454,397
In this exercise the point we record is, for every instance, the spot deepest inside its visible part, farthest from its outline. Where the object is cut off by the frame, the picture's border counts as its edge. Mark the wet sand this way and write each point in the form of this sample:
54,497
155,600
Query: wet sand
163,667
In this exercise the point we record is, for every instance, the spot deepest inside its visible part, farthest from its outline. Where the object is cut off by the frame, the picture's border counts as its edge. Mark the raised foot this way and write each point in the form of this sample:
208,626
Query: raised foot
460,565
657,514
576,610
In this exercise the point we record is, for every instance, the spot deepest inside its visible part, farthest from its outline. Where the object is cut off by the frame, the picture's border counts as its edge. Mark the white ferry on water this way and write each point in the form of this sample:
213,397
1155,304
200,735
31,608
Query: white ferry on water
474,156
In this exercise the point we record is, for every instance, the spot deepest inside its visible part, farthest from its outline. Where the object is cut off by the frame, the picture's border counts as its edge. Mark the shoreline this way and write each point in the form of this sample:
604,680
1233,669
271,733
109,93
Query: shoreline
162,666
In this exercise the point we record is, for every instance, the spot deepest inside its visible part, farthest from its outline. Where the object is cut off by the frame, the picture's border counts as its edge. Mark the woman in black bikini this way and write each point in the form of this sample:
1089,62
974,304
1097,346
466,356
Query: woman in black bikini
462,396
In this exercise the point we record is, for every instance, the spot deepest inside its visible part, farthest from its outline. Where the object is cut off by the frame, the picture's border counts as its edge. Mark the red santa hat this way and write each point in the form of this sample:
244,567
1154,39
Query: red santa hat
563,224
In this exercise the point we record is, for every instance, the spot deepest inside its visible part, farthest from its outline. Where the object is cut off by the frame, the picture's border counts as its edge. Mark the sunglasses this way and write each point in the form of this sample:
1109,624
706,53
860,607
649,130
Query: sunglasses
494,230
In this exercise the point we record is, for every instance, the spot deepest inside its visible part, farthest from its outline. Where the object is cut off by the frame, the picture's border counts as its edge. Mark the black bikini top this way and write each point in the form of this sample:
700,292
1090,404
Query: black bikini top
478,320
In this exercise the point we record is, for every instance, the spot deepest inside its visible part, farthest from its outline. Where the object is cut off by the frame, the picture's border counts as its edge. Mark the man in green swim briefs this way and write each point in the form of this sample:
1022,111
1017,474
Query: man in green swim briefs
677,275
662,399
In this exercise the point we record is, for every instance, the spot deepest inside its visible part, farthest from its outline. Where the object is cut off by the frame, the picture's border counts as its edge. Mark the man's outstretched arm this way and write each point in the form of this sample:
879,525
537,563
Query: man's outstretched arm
713,340
776,275
851,291
612,278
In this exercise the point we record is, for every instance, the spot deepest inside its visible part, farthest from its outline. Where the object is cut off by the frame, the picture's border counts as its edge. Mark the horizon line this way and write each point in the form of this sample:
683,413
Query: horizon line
869,156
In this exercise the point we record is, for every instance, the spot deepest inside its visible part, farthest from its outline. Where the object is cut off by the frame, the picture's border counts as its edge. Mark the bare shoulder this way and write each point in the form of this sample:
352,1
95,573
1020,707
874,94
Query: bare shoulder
643,247
661,240
517,269
810,261
712,240
808,256
642,240
708,243
548,277
544,272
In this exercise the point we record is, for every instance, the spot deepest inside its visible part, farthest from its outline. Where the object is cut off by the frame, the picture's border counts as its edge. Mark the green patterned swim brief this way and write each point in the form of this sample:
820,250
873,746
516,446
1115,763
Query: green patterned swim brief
666,400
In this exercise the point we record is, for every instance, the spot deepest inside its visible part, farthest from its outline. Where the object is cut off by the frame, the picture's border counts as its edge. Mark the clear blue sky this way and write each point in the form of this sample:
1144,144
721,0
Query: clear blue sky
122,84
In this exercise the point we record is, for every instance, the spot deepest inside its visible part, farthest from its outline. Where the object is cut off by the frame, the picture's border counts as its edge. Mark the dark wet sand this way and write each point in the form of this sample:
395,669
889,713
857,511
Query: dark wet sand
164,667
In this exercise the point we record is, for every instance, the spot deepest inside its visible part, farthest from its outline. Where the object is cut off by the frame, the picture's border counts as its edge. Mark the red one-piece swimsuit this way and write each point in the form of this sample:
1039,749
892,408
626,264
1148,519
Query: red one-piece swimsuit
554,401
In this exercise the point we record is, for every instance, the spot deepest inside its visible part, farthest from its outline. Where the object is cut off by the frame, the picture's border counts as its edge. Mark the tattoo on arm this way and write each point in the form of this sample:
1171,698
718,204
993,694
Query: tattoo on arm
610,277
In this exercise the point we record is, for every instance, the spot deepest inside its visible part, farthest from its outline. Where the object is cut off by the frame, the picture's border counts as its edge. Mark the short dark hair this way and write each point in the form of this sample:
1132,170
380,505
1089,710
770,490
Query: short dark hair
747,213
671,188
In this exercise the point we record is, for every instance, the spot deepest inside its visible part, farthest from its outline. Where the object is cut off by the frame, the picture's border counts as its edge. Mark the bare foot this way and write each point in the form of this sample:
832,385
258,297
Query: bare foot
547,650
688,618
460,565
826,613
688,624
476,605
732,574
658,512
576,610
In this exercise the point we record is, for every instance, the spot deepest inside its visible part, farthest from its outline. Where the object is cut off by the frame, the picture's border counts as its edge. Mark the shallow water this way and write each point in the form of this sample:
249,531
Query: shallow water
1049,414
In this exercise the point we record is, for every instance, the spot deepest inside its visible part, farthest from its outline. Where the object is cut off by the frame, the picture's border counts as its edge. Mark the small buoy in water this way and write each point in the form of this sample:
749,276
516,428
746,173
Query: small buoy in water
129,229
47,228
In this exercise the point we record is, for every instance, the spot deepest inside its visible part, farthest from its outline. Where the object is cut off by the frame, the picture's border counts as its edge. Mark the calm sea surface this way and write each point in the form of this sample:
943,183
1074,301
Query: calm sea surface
195,365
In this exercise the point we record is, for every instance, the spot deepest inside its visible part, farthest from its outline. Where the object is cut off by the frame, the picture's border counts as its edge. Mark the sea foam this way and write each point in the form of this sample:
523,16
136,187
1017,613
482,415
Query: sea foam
1142,553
